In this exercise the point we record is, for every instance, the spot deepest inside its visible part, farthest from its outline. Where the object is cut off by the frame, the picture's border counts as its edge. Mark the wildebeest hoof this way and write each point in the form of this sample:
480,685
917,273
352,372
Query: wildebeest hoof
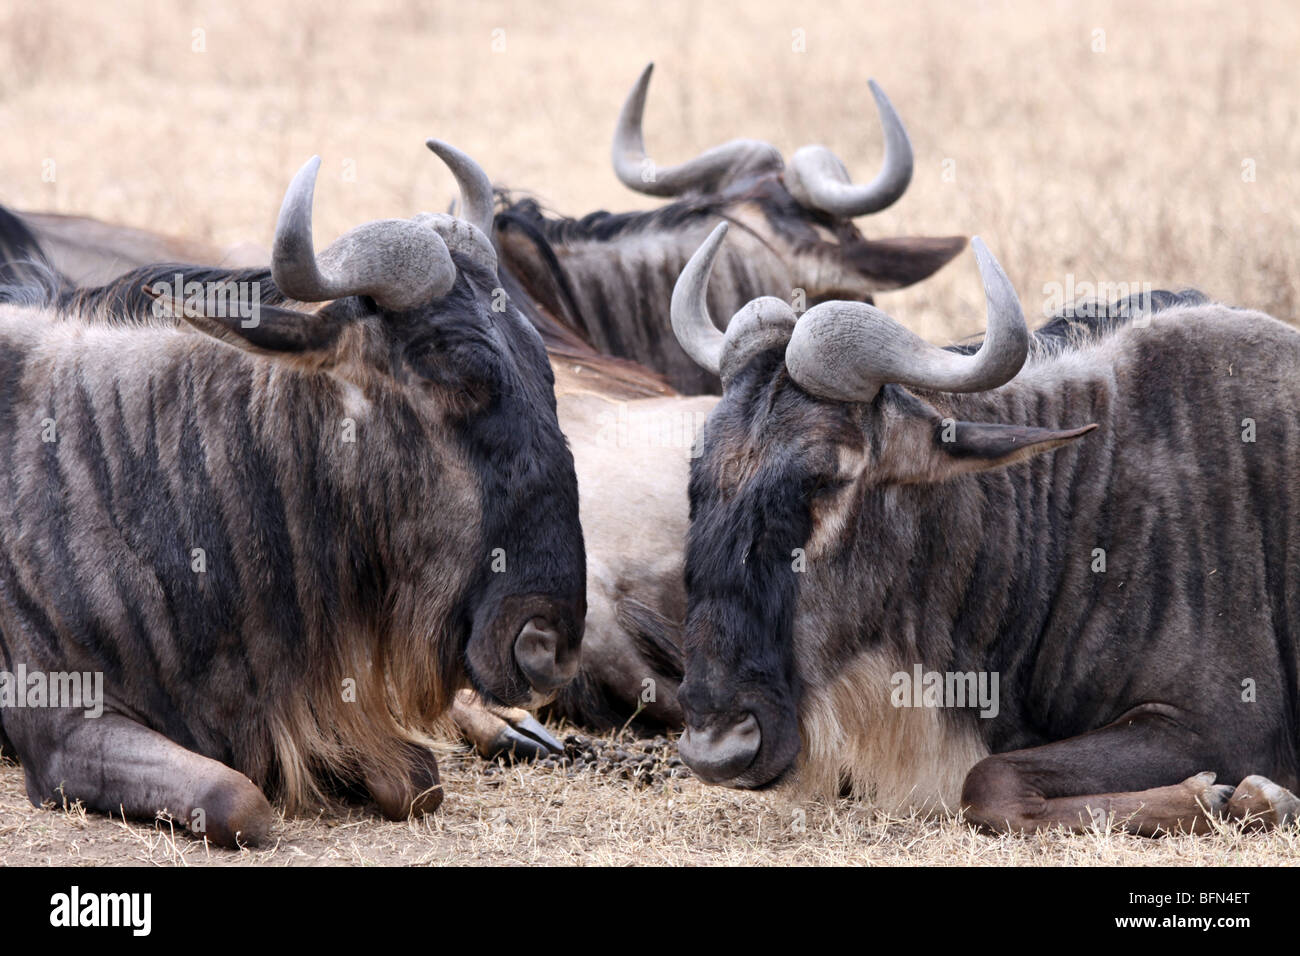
501,731
426,784
1263,804
398,802
233,815
522,737
1213,797
418,792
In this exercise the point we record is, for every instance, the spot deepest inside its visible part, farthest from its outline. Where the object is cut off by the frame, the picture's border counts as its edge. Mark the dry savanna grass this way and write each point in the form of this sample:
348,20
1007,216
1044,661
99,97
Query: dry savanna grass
1104,141
541,816
1111,142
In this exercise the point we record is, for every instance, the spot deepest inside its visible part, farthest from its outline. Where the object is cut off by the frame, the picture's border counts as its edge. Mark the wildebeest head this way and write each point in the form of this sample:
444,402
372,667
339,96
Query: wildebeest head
802,212
817,428
419,334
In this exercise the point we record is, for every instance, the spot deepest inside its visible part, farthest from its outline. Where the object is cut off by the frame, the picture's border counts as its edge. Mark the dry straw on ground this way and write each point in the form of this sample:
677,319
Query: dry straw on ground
1118,142
535,815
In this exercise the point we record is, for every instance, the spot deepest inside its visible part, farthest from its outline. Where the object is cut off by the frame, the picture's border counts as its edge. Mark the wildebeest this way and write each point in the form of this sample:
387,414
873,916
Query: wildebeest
610,276
630,436
1111,530
283,539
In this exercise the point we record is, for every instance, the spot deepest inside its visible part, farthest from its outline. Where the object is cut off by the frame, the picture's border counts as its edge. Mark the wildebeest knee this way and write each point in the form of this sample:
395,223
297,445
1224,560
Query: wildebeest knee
996,797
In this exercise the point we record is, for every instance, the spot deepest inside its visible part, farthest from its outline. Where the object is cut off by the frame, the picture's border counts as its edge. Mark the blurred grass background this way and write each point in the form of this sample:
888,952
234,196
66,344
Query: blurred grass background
1111,141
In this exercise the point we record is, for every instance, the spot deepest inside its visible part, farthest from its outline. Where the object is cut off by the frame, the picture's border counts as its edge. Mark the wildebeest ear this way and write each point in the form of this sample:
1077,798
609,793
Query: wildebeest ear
903,261
975,446
249,324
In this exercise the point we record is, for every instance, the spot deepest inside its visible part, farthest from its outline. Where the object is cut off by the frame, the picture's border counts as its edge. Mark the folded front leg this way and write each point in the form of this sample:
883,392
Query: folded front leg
115,765
1144,772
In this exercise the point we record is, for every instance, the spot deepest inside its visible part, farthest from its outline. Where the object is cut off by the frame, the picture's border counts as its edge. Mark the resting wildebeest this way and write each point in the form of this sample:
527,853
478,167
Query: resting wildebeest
630,435
283,536
61,258
610,276
868,509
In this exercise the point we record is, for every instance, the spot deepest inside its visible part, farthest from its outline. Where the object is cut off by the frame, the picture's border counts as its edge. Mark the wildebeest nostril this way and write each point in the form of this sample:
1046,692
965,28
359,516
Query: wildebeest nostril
720,754
543,657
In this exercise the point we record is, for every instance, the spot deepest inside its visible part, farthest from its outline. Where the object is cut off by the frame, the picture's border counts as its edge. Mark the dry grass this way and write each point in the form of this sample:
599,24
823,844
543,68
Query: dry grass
537,816
1122,165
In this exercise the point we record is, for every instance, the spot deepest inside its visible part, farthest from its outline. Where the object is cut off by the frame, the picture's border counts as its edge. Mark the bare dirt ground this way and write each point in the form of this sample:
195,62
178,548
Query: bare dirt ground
1087,141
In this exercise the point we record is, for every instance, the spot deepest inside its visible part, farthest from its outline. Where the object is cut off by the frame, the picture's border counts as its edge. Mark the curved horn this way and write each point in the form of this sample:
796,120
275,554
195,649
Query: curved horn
692,325
636,171
761,324
475,187
847,351
469,234
397,262
817,178
293,255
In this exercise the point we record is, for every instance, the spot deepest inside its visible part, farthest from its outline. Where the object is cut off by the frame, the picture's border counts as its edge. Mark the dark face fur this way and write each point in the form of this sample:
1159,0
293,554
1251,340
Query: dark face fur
527,600
771,456
487,374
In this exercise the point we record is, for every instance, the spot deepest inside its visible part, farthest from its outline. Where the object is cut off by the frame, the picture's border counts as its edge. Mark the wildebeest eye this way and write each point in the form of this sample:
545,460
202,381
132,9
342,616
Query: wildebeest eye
825,485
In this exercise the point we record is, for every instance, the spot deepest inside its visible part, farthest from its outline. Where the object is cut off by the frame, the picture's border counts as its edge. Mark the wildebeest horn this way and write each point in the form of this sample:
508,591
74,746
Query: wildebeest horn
692,325
847,350
397,262
475,187
705,171
760,324
818,180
